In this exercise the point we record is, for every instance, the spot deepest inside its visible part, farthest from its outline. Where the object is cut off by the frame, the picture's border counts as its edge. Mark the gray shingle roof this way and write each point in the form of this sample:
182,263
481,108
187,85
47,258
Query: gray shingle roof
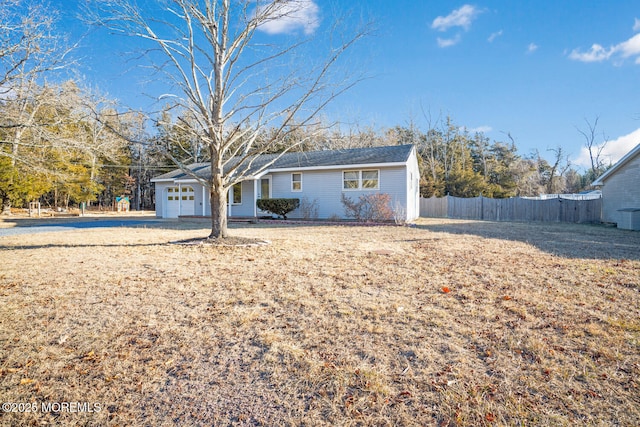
310,159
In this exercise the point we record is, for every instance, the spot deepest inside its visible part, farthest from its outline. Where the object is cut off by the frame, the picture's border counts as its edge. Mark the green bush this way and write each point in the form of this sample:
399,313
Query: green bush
279,207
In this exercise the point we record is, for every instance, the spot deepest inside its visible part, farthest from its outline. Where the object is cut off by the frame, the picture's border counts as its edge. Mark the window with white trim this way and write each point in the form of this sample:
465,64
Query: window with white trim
296,181
361,180
351,180
370,179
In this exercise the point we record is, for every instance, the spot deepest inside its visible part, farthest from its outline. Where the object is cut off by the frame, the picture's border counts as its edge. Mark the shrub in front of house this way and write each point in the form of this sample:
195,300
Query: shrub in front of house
370,207
309,209
280,207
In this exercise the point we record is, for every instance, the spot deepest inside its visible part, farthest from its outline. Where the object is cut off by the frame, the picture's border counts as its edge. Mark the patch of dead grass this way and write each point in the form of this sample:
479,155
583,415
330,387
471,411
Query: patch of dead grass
325,326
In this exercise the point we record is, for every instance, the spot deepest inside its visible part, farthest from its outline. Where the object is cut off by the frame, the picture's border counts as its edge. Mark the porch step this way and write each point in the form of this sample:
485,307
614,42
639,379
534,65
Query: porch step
247,220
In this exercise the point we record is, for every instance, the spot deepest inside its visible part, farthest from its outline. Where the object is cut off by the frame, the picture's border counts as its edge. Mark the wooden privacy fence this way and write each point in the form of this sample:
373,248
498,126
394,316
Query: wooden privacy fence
513,209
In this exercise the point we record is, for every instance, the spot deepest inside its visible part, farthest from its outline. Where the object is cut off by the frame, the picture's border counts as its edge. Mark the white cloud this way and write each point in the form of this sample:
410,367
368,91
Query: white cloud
481,129
613,151
462,17
532,47
596,54
493,36
448,42
636,24
630,47
626,49
292,15
478,129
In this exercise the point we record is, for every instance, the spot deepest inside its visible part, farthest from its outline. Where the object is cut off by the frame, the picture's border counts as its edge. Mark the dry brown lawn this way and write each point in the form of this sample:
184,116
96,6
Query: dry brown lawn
449,323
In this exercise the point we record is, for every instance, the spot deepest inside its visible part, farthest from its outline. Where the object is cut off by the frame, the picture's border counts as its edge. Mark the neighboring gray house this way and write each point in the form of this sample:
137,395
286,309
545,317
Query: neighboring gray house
320,176
621,190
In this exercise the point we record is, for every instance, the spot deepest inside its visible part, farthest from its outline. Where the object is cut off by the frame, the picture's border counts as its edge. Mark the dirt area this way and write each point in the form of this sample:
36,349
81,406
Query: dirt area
449,323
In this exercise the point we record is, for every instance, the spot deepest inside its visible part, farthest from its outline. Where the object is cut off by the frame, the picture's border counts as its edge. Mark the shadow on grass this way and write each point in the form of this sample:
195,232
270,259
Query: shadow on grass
80,245
564,240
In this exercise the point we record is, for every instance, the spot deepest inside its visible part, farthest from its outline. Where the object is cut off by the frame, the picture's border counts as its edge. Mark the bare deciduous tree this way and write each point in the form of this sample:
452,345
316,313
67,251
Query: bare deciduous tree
29,50
594,147
24,40
232,79
557,170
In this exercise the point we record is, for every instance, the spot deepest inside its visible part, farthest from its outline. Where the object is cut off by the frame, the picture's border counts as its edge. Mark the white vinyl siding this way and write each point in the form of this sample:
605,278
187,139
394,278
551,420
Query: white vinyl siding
325,187
621,191
244,209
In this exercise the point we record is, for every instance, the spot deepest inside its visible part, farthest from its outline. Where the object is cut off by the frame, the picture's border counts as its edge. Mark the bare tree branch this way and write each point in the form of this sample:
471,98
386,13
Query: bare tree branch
594,147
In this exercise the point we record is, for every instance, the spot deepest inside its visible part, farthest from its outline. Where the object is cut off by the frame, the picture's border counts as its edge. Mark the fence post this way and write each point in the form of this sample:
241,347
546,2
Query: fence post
560,210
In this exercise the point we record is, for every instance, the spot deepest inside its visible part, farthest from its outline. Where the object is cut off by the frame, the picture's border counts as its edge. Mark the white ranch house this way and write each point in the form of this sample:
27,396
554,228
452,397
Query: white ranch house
320,176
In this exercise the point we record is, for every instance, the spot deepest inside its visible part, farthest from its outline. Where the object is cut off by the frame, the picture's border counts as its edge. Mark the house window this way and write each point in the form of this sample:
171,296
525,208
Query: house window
296,182
365,180
237,194
351,180
370,179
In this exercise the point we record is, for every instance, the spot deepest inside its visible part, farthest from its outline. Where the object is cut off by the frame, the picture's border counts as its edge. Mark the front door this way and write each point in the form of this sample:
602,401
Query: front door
264,190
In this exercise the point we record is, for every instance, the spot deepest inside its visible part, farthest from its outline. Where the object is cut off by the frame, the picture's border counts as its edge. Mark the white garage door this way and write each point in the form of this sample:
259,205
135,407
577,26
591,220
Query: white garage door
179,201
171,202
187,200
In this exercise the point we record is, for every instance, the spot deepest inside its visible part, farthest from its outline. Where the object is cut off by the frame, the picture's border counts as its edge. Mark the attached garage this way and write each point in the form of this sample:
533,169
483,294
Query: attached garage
178,201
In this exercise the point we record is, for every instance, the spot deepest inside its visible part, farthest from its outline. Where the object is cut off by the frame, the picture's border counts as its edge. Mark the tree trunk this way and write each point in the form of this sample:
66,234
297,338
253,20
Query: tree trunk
219,196
6,206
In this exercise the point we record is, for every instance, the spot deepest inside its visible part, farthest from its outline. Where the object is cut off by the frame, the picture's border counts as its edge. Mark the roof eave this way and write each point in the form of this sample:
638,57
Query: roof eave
331,167
626,158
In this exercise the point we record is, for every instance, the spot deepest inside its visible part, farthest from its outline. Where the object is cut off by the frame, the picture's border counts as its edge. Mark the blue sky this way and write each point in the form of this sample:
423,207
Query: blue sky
535,69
